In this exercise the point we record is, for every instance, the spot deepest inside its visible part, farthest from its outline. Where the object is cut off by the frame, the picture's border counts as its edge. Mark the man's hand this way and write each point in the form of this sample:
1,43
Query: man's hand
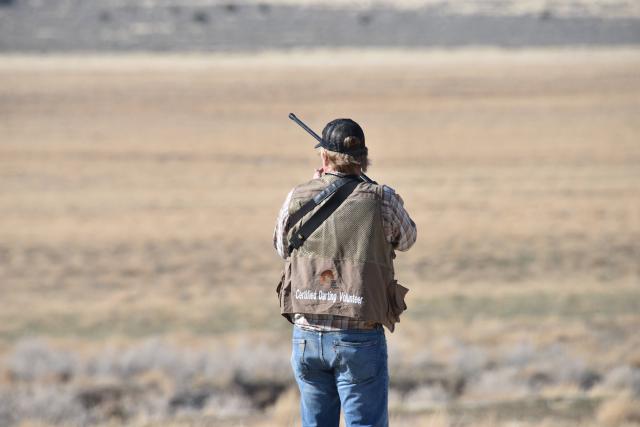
318,173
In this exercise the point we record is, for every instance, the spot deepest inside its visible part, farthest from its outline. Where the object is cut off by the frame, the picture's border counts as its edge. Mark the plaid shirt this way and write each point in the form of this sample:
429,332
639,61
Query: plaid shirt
399,229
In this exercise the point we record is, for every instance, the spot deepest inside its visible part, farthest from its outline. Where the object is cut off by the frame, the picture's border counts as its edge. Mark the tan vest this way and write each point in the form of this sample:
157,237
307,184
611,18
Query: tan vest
345,267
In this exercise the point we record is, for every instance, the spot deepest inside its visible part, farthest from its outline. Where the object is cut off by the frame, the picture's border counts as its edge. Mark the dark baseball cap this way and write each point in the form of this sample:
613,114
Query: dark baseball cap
336,132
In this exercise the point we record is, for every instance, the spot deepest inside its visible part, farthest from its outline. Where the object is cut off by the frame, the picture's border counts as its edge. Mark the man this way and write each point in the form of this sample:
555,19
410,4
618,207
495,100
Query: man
338,286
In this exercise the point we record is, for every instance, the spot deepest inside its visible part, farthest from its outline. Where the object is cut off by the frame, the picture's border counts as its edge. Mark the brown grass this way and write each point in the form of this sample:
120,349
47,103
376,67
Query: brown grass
138,196
620,411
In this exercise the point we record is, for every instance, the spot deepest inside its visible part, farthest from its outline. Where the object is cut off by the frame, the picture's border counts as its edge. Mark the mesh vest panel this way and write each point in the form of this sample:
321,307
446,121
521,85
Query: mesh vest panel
353,232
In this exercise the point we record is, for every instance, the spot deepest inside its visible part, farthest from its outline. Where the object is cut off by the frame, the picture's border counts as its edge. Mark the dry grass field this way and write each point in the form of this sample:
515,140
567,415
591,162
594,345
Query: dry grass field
138,196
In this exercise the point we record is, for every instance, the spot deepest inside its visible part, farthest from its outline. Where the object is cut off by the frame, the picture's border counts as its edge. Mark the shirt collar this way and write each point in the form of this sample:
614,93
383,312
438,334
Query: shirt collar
335,173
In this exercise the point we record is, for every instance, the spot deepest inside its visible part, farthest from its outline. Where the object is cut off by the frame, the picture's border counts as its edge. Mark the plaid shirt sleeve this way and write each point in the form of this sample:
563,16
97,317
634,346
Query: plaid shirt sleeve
280,234
399,228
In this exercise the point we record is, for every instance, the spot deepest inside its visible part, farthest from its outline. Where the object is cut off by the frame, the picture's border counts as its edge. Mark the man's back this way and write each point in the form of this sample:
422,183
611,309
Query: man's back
350,256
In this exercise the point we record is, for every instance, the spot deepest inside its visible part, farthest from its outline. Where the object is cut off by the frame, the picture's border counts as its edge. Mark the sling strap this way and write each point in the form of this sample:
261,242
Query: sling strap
317,199
337,192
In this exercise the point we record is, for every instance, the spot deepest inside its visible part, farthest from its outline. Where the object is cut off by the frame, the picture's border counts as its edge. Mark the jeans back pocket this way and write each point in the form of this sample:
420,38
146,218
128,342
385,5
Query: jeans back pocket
359,361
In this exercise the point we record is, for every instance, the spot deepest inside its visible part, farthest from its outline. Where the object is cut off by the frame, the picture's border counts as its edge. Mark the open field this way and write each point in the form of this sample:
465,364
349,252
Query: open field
139,193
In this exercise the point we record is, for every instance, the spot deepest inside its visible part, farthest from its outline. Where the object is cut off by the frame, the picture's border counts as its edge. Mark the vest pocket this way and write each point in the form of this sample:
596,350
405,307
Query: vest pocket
279,287
283,290
397,305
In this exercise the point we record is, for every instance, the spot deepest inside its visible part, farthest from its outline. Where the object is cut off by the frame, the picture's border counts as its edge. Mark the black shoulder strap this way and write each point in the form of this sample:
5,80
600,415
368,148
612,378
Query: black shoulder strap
337,192
317,199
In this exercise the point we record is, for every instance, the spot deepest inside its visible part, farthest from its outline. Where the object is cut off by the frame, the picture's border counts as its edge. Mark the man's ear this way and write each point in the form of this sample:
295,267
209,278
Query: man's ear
323,157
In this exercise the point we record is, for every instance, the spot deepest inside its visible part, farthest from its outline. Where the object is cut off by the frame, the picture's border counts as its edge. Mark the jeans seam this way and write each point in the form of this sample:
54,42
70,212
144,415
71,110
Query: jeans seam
321,349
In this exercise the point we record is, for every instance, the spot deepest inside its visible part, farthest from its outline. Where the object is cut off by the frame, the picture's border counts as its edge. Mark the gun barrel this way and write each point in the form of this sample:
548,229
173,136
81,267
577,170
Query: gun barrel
305,127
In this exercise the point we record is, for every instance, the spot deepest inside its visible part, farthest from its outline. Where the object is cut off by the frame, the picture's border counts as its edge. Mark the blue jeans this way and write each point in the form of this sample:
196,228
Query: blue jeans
345,369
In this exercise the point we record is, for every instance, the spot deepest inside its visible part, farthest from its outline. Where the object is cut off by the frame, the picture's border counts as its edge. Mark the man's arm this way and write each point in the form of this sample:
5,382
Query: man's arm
280,233
399,228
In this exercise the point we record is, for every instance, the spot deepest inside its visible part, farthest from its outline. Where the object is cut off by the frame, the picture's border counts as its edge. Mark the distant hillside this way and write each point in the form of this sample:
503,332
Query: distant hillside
208,25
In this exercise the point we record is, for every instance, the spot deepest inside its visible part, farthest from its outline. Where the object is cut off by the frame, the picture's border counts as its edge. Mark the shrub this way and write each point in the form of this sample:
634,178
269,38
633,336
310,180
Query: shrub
34,360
